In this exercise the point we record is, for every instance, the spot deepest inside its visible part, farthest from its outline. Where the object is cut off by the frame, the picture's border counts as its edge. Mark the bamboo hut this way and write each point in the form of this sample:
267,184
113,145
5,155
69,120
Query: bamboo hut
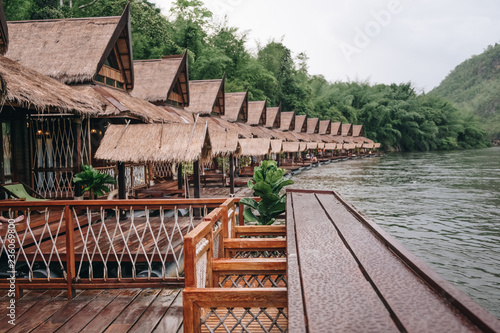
287,121
257,112
140,143
254,147
273,117
312,125
300,124
325,127
207,97
76,51
224,139
346,130
163,81
236,105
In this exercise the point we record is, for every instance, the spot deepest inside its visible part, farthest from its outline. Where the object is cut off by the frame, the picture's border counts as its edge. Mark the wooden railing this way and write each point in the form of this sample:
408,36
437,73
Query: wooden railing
98,243
233,280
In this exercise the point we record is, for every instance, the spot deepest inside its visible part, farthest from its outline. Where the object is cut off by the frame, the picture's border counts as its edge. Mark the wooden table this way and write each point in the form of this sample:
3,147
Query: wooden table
347,275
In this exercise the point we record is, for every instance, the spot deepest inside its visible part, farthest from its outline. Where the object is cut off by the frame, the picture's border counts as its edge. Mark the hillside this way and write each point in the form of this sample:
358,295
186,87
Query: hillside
474,86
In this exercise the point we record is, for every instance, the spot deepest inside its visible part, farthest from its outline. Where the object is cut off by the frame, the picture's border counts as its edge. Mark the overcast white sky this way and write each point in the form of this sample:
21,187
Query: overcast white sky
383,41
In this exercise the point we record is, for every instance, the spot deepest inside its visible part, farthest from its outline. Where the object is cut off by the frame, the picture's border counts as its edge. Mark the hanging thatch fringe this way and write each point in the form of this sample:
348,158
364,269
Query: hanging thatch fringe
141,143
276,146
331,146
254,147
291,147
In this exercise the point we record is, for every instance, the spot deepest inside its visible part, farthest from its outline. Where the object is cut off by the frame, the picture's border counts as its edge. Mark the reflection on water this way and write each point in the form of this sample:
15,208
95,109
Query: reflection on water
442,206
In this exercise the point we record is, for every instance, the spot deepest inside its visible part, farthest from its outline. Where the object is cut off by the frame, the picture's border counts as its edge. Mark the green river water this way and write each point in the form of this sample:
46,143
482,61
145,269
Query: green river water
442,206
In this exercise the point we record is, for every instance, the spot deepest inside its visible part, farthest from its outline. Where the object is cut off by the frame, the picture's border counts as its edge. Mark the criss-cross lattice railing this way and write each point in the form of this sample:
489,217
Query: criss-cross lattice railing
78,244
229,294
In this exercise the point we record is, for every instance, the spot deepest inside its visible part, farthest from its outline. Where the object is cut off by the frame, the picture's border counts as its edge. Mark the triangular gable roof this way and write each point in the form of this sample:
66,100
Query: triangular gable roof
346,130
273,119
287,121
257,113
312,125
357,130
206,97
300,123
4,32
336,128
325,127
161,80
73,50
236,106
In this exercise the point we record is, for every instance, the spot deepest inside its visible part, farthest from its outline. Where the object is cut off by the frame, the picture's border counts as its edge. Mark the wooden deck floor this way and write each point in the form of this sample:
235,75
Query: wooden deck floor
111,310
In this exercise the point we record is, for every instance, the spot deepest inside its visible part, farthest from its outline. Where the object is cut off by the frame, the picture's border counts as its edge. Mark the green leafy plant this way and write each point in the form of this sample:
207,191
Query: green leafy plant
93,181
267,183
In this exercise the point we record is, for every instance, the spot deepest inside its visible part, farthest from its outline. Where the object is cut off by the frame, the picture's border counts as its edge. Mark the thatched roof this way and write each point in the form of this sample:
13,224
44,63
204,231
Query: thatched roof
312,145
288,136
377,145
206,97
357,130
346,130
4,32
300,123
185,116
302,146
336,128
236,105
257,112
260,132
287,121
156,80
273,118
312,125
321,145
276,146
72,50
27,88
224,141
254,147
290,147
368,145
325,126
140,143
331,146
119,103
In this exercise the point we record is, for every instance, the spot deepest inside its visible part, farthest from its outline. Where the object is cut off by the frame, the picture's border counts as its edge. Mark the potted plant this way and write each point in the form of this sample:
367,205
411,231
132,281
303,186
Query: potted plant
93,181
267,183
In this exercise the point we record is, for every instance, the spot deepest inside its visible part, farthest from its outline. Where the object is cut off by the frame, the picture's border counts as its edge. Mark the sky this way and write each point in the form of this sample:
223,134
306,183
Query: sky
379,41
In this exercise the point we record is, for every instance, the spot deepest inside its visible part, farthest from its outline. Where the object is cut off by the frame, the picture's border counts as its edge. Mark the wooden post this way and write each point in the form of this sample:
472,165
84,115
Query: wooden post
78,165
122,191
70,250
231,175
196,178
278,159
179,176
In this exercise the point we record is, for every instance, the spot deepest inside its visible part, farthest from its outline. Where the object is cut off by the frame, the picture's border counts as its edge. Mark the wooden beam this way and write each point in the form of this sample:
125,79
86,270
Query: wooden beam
231,174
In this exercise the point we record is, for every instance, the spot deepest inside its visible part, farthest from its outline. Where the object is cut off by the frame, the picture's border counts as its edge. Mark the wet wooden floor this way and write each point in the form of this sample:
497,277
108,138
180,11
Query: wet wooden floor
95,310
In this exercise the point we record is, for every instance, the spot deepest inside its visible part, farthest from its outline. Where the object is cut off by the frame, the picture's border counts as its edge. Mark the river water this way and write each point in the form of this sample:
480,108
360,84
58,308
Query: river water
442,206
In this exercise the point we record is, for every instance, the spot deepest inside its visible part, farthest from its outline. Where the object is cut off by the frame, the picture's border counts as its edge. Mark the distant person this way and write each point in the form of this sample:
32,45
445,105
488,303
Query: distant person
314,159
6,220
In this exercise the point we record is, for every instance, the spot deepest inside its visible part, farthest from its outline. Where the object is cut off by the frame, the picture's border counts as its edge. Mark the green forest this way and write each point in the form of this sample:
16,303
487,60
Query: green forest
474,86
394,115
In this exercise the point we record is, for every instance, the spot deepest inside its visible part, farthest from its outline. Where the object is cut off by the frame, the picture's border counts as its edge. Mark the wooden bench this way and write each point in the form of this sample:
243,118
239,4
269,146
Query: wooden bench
347,275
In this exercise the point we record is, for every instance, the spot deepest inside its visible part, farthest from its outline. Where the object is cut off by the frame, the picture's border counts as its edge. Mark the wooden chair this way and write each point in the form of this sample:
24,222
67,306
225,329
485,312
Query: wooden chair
20,191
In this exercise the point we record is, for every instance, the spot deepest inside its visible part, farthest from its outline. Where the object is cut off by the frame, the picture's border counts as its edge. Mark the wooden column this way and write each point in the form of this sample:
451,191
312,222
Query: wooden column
196,178
179,176
122,190
278,159
231,174
78,164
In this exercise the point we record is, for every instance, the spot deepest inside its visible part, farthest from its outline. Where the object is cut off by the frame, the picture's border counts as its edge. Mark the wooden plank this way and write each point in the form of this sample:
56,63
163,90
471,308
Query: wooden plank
155,312
112,311
336,294
79,321
129,316
172,319
414,303
254,244
237,297
296,311
249,265
67,312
